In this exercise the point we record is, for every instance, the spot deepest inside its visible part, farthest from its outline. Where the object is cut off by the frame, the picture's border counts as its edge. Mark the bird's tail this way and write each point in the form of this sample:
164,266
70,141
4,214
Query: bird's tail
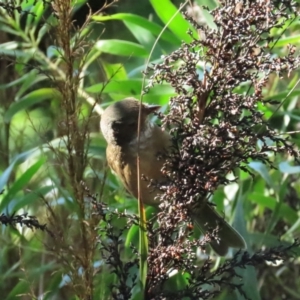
207,219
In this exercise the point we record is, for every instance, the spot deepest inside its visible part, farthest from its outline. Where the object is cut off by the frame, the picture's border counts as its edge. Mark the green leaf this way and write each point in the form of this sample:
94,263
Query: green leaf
19,184
179,26
122,48
53,51
285,211
142,35
218,199
177,281
10,48
32,79
114,71
282,95
262,170
143,246
268,240
77,4
31,75
19,288
129,87
132,235
31,197
141,22
42,31
26,5
91,57
285,167
294,40
35,15
239,221
19,159
5,176
293,230
211,4
248,276
9,30
30,99
209,20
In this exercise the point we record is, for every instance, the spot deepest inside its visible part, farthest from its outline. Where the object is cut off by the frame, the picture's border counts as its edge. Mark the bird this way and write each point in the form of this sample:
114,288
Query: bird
119,126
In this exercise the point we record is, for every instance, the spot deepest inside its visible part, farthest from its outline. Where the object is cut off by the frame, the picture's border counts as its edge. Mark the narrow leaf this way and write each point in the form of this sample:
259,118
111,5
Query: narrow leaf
19,159
152,27
262,170
30,99
166,11
20,183
122,48
285,167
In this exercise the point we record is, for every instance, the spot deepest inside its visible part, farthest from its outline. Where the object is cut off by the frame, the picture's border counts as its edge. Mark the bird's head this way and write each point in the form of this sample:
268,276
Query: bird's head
119,121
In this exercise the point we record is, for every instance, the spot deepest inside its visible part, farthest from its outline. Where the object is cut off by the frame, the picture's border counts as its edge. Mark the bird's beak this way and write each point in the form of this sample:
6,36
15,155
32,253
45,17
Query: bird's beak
152,108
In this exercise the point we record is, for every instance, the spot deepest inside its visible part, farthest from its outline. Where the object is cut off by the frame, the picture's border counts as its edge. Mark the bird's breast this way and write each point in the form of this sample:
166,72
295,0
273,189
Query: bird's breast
123,160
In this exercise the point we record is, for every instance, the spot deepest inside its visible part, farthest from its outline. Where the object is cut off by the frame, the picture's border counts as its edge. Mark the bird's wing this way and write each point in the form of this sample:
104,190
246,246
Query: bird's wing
124,163
113,158
124,166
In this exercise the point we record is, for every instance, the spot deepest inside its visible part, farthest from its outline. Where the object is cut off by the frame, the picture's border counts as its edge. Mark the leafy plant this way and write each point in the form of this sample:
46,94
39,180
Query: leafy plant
55,80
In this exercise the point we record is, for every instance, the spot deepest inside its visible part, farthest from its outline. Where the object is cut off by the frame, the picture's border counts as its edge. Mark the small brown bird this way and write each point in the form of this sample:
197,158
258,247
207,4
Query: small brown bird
119,124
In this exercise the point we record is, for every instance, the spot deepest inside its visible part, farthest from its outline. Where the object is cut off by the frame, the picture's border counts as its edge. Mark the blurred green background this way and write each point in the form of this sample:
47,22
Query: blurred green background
116,45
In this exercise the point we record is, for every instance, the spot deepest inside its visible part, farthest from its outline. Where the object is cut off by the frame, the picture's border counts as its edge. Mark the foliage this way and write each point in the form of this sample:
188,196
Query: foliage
55,80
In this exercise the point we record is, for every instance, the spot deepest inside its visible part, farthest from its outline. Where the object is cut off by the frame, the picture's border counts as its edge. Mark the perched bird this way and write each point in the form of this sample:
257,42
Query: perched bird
119,126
